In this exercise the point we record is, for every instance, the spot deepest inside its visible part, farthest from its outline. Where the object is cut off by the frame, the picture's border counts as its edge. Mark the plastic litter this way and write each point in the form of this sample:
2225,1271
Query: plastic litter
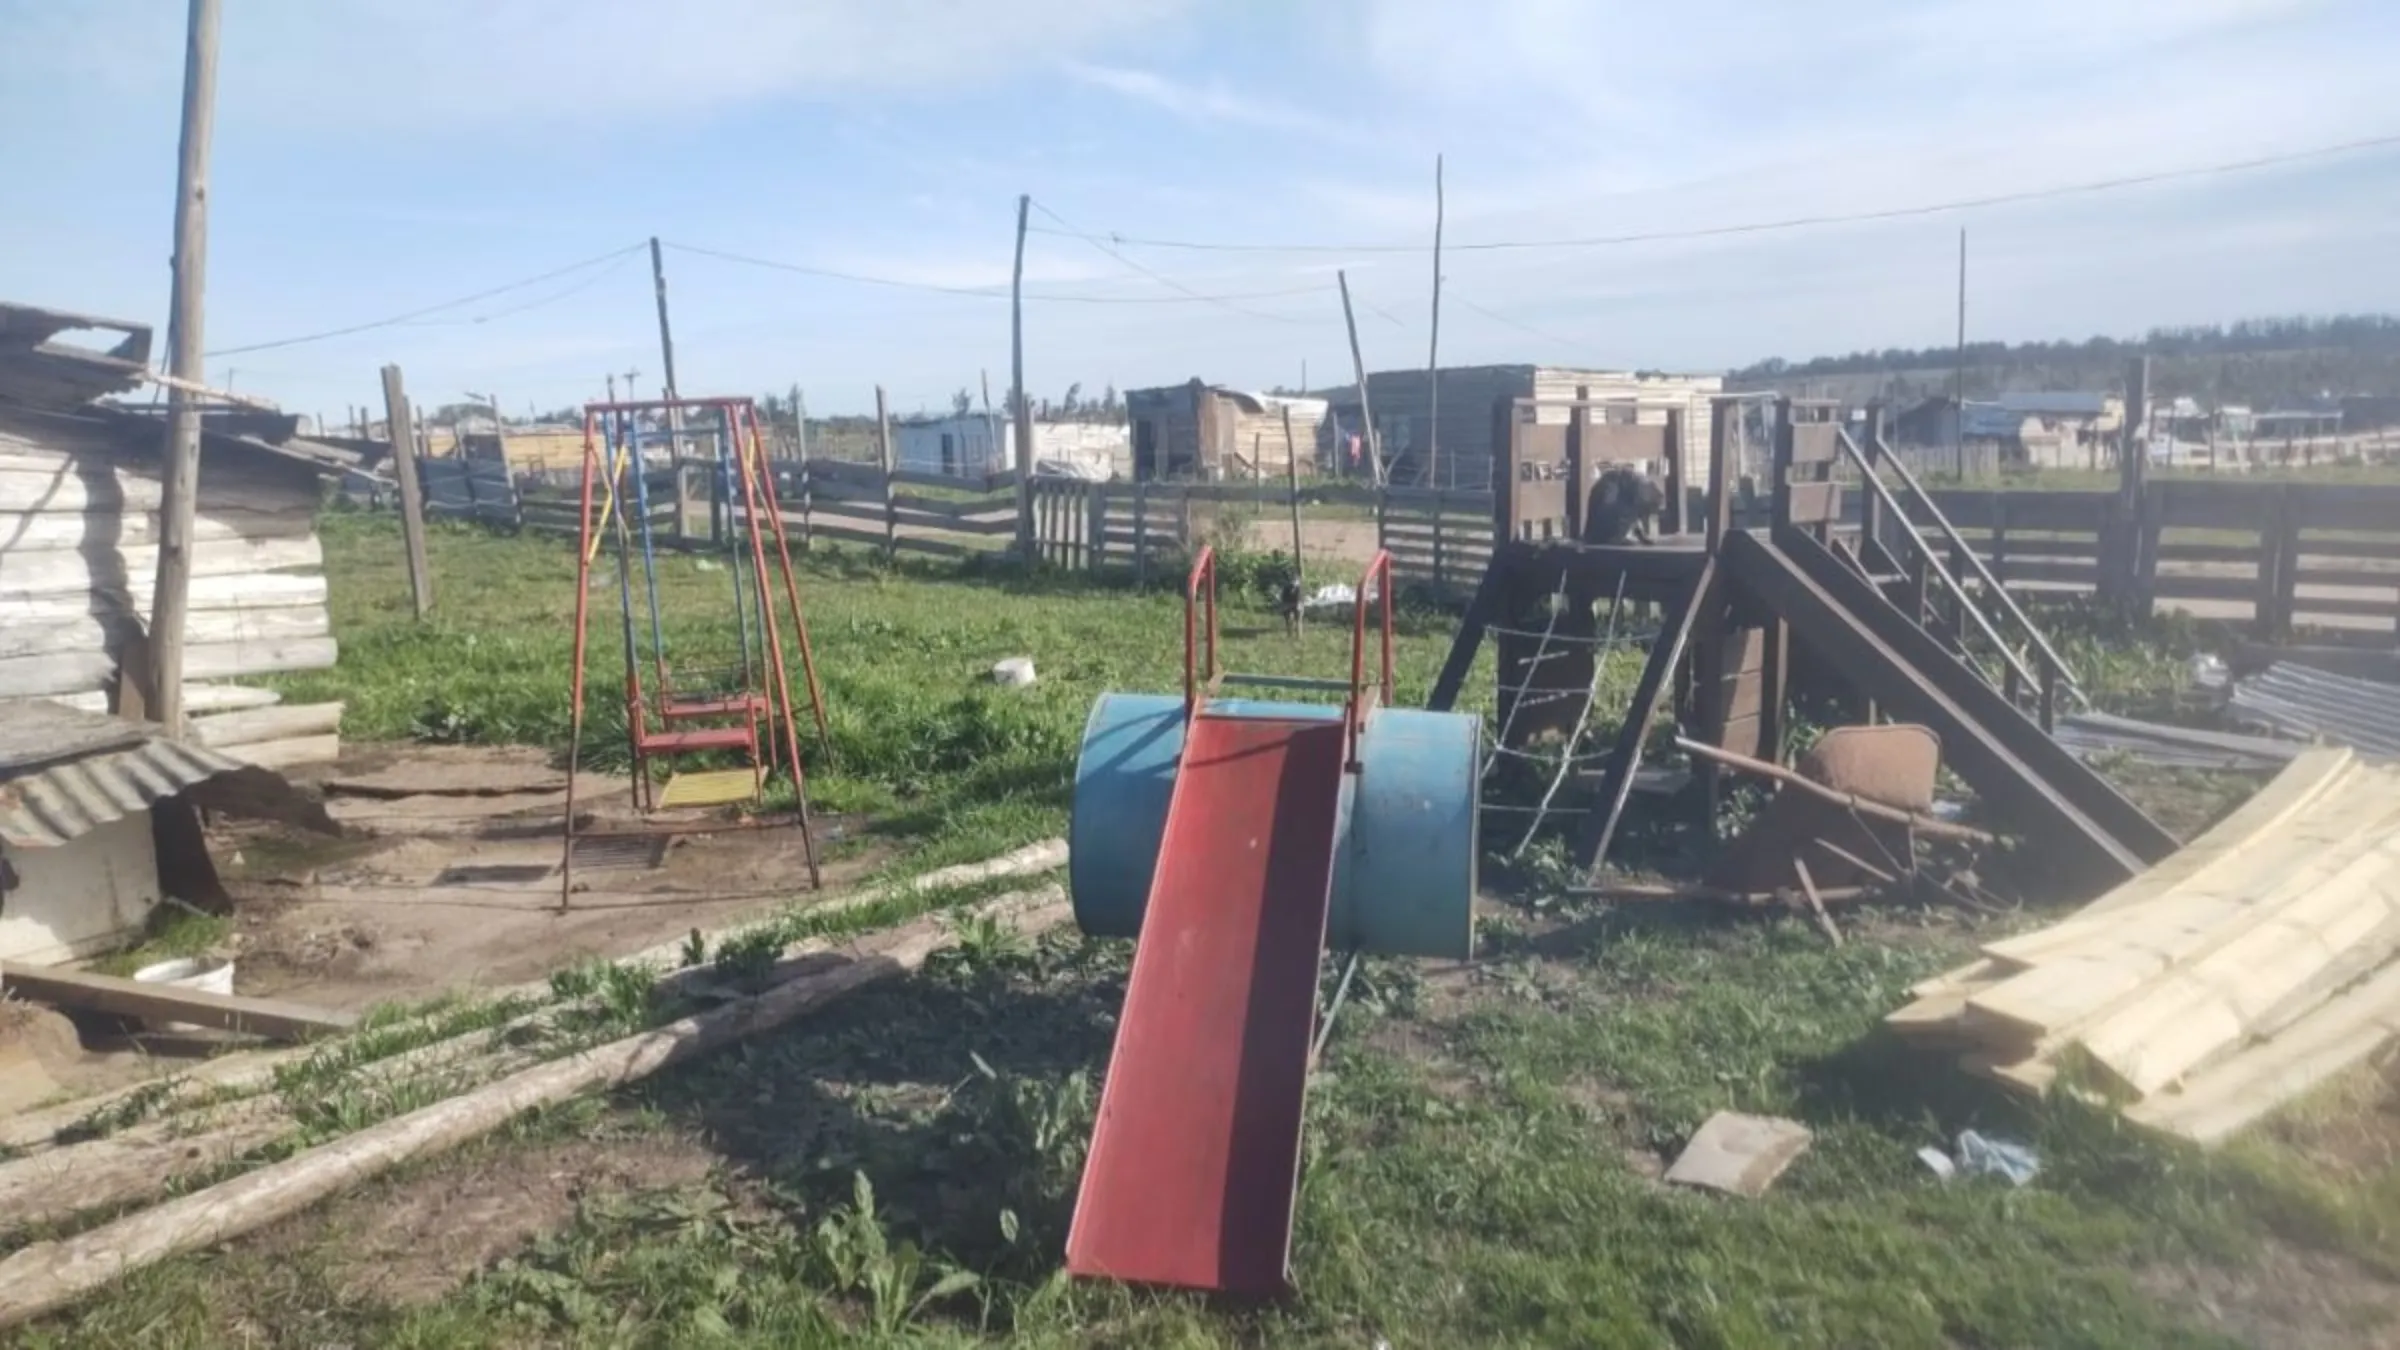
1979,1156
1014,672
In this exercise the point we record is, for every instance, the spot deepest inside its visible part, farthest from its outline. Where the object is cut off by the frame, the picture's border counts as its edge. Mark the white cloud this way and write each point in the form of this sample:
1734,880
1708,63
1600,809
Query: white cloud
421,63
1209,101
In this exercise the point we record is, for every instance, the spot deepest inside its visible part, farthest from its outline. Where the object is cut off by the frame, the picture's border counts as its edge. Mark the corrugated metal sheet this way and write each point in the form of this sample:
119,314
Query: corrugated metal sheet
2093,734
68,772
2361,714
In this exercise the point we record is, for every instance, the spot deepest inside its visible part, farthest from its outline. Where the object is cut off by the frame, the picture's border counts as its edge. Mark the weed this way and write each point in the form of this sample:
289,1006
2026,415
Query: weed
897,1281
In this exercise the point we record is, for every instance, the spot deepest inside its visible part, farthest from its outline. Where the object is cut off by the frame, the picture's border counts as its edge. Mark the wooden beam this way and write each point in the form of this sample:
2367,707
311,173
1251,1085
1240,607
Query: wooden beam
1666,653
403,426
272,1018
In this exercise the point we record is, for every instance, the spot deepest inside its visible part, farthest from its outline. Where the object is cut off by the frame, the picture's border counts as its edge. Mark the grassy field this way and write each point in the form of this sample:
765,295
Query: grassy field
1483,1145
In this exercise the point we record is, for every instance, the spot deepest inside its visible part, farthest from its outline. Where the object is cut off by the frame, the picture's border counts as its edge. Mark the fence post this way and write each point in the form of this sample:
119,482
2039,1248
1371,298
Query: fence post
1141,528
400,424
800,477
2287,558
1440,578
883,454
2000,539
1095,526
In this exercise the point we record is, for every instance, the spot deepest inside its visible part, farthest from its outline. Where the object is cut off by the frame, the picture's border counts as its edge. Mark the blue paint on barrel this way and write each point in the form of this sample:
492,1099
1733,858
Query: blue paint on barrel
1404,874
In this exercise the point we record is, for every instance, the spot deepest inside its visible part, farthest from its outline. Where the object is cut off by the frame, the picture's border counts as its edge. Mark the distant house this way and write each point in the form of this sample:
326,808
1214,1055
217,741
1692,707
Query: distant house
1461,455
1206,431
1933,423
79,525
963,446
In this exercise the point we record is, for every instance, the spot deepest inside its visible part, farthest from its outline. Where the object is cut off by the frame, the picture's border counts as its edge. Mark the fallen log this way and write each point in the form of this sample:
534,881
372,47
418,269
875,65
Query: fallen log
1930,826
248,1070
48,1276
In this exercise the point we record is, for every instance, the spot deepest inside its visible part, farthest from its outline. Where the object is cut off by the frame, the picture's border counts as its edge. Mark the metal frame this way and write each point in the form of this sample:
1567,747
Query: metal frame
741,448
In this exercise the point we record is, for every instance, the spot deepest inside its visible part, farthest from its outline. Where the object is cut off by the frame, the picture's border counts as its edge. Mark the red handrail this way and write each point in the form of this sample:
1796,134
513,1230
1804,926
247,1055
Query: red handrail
1377,581
1204,569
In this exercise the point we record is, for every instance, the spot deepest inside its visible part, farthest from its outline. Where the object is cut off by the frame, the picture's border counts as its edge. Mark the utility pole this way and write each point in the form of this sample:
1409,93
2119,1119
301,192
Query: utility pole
1023,411
1366,409
1958,368
612,387
170,597
403,427
1433,347
666,356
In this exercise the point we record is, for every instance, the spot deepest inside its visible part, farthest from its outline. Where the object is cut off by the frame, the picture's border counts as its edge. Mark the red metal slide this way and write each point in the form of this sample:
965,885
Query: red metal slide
1195,1158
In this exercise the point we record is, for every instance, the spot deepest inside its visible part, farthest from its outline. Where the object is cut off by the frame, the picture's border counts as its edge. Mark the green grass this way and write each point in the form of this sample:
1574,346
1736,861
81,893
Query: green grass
1481,1146
1479,1172
922,740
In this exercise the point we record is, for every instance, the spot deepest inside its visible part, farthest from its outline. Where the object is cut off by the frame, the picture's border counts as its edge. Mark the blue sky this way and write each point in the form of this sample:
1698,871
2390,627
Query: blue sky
377,156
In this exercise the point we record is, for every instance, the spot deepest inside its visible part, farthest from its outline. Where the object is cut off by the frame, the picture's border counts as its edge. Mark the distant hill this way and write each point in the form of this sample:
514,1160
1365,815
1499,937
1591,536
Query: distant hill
2260,362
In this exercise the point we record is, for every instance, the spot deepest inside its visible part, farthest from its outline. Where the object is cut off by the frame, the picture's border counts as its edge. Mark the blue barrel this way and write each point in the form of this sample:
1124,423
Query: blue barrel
1404,869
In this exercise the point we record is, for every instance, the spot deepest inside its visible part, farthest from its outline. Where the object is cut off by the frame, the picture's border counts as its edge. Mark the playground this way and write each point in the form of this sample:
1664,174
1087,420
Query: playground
1483,1139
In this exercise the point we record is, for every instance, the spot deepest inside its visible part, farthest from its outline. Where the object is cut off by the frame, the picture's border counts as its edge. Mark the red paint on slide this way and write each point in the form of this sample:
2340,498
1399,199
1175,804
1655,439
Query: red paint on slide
1195,1159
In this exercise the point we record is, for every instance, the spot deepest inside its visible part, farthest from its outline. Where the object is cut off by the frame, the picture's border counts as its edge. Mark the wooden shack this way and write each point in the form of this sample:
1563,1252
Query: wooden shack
1460,456
1211,433
79,522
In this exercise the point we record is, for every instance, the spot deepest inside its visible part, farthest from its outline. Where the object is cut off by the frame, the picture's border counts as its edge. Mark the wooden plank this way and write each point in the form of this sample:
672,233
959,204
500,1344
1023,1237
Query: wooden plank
2385,550
264,590
1814,503
2115,957
2361,506
2218,1102
1816,442
272,1018
2280,963
955,509
2360,577
51,571
273,723
289,752
96,632
2329,607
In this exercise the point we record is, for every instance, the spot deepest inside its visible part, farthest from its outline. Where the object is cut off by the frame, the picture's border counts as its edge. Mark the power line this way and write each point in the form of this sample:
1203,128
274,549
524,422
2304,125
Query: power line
1788,222
1160,277
396,320
1496,317
981,292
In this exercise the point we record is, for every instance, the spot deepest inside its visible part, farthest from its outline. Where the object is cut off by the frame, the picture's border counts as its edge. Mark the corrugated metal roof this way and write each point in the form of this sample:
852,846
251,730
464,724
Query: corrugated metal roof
71,772
2361,714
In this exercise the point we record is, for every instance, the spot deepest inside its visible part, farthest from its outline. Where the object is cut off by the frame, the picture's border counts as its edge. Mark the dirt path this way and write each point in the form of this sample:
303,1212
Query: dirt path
457,886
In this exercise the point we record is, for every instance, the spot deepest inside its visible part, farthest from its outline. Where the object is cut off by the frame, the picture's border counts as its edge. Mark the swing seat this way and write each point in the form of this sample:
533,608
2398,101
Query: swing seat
694,741
728,705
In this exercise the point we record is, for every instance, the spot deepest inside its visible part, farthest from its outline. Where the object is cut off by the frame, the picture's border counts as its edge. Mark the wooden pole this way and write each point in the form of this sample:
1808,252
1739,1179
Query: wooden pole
666,355
402,424
1958,369
44,1277
1021,416
180,475
800,420
1433,355
883,455
1358,369
1291,481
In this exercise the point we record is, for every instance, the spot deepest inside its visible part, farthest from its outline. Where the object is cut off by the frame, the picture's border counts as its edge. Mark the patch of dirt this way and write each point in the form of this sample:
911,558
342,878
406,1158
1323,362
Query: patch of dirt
453,882
415,1238
2285,1299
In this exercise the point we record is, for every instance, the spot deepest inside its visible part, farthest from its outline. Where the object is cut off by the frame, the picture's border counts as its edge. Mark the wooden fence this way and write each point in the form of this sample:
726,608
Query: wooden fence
2288,554
468,489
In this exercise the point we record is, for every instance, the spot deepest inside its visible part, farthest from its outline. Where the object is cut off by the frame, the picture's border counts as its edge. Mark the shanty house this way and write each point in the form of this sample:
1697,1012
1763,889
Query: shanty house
1209,432
1460,456
963,446
79,530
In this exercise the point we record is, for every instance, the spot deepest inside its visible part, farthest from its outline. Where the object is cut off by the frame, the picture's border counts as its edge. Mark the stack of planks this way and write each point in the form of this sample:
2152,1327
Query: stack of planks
79,551
2229,979
252,725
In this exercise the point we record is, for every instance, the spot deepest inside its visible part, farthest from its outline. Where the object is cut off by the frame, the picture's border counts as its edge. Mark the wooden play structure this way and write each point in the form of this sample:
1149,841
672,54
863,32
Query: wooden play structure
1894,610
